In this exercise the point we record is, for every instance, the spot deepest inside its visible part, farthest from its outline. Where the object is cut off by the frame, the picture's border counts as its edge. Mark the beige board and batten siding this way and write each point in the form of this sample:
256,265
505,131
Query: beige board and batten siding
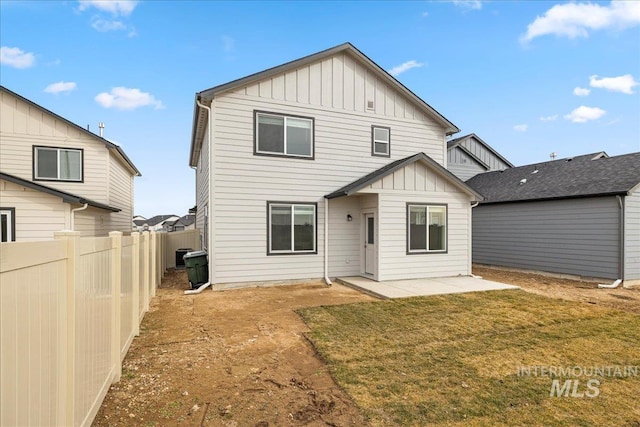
632,238
37,215
416,183
334,92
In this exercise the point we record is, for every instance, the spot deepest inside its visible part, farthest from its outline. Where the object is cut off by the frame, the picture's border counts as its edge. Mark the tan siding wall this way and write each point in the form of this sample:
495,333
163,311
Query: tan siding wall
106,180
24,126
334,92
93,222
37,214
120,196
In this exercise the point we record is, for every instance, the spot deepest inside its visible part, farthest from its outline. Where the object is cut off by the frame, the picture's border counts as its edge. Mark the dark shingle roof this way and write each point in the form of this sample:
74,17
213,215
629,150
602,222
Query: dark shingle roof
187,220
154,220
374,176
66,197
579,176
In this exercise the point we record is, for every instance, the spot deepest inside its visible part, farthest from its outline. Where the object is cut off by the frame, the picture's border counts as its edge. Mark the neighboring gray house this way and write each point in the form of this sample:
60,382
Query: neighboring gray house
326,166
469,155
186,222
578,216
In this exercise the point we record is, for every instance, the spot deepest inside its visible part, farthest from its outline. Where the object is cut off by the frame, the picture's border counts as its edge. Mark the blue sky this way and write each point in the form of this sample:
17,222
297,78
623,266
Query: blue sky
527,77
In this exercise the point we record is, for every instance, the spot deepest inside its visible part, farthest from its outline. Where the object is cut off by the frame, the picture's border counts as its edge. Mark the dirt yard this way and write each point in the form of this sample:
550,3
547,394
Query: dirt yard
231,358
239,357
574,290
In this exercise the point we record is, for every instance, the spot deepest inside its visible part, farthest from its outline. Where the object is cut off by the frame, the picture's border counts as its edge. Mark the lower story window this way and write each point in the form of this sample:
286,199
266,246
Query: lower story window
291,228
426,228
7,224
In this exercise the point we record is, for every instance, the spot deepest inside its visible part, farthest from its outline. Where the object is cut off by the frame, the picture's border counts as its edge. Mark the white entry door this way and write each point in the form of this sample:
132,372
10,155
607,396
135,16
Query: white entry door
370,244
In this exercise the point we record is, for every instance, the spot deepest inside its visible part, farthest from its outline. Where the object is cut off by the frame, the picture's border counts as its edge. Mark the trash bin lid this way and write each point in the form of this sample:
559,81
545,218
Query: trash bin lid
195,254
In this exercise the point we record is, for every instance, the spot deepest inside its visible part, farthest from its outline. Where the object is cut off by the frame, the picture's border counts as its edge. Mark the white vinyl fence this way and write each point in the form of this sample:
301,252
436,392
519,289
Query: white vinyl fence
70,309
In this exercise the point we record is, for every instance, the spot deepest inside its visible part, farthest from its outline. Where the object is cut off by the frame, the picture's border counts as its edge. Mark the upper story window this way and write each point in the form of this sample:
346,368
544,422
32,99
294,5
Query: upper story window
380,141
280,135
57,164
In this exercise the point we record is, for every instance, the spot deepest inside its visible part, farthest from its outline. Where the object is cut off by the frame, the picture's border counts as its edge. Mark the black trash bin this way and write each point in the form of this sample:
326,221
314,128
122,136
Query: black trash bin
180,253
197,268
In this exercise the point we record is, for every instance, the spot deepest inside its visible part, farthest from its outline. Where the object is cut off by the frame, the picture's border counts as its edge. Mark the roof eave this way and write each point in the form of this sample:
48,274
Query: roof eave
549,199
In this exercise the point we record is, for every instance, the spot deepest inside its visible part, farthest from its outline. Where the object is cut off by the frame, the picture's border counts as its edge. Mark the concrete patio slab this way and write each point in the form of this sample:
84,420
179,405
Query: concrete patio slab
422,287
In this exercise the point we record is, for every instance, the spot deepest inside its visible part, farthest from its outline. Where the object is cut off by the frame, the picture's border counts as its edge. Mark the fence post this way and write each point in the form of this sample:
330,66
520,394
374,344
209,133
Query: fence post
154,271
145,264
116,288
135,267
67,364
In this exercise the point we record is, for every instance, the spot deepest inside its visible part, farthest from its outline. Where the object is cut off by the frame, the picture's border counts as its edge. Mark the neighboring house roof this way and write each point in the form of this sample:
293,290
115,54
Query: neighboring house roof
66,197
451,144
378,174
139,222
593,174
187,220
155,220
110,145
207,95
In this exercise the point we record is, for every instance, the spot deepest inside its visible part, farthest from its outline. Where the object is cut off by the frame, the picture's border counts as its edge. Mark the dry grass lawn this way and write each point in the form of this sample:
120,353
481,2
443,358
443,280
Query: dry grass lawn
454,359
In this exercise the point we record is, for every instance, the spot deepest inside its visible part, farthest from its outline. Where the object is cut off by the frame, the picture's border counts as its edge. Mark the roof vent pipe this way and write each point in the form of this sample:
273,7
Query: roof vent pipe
101,126
553,155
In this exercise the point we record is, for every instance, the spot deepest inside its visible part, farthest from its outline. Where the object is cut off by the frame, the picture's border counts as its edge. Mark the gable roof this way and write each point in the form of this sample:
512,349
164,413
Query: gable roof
66,197
390,168
155,220
582,176
110,145
205,96
451,144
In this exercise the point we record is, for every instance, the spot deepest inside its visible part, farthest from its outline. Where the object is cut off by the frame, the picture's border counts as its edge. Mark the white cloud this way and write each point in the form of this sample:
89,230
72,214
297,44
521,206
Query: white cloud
115,7
584,114
60,87
549,118
15,57
425,14
468,4
624,84
123,98
228,43
103,25
521,128
578,19
399,69
581,91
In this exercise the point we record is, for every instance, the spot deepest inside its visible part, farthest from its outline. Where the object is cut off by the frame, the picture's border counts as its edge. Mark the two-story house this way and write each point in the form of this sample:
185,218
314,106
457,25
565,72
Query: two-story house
326,166
56,175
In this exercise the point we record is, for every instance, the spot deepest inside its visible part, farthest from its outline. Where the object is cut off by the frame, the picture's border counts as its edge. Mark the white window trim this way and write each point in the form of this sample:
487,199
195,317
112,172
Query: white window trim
446,224
375,141
11,222
285,118
292,251
57,150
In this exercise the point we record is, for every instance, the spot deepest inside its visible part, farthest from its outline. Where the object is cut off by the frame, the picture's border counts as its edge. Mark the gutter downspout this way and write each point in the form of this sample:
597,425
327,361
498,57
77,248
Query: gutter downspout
73,211
326,242
210,199
620,251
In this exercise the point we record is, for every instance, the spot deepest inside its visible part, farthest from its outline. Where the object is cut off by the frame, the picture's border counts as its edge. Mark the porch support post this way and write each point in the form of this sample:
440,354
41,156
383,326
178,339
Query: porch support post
326,242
